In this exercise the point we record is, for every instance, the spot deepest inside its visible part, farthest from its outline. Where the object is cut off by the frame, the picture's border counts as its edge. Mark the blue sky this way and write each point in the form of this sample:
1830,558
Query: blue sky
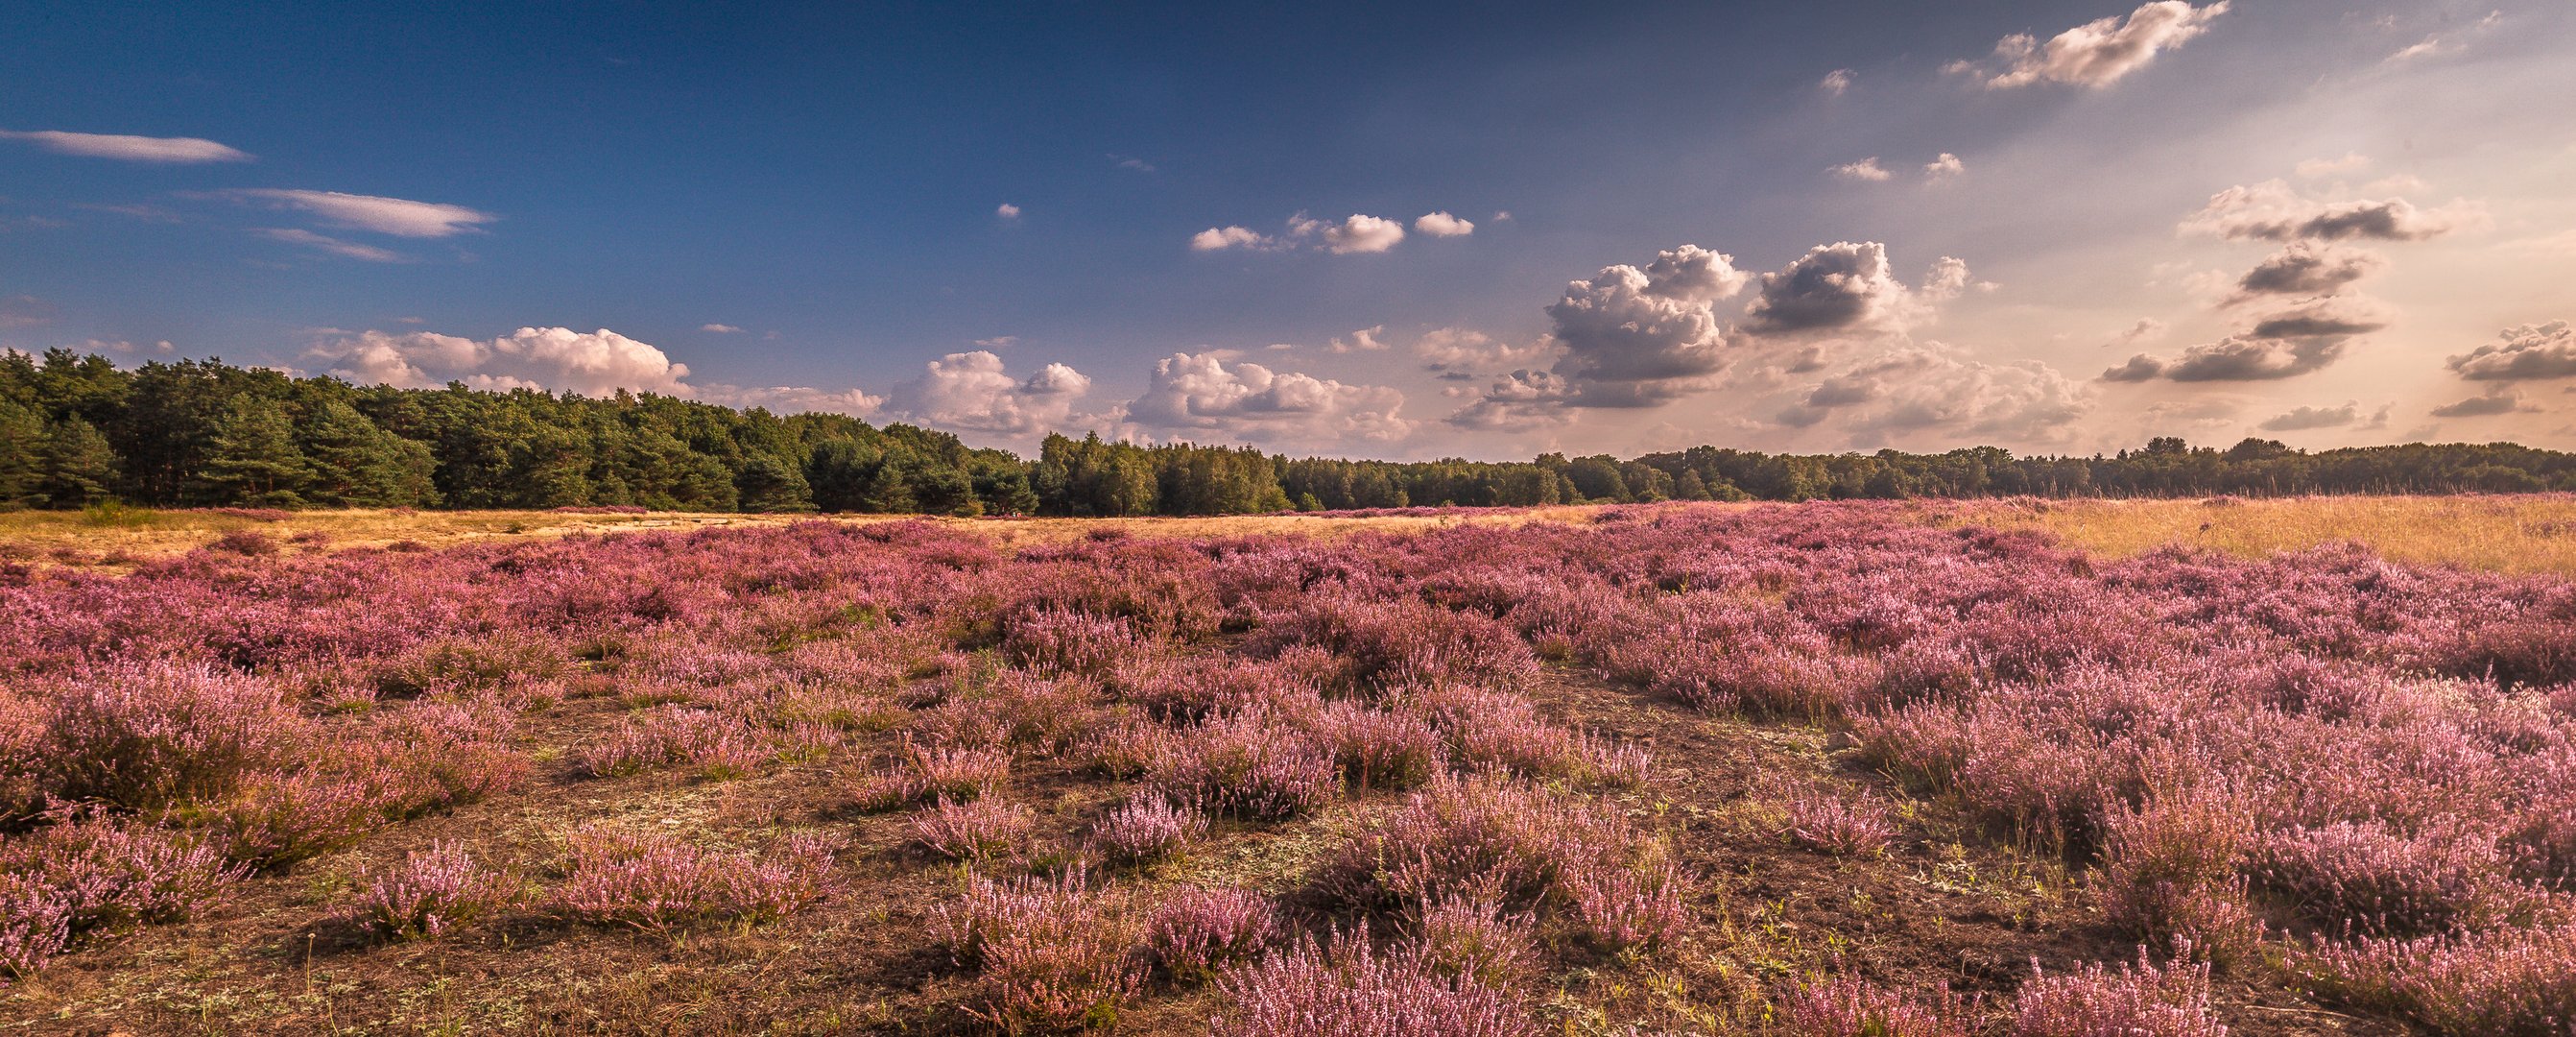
1880,224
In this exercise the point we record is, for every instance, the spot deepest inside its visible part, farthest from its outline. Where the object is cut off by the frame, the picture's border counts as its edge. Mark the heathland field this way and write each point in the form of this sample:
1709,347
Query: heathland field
2008,768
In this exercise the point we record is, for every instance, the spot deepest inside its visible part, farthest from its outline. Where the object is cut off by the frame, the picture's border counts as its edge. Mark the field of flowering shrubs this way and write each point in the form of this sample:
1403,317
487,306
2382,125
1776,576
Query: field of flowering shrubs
1828,770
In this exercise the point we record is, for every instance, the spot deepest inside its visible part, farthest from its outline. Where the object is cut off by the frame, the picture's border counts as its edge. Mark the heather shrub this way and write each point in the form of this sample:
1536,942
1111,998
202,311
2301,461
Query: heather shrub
1376,749
1848,825
281,818
1147,828
433,891
1245,765
1346,988
1847,1006
2505,983
2379,882
2171,872
1057,642
1195,932
151,736
1528,848
84,875
1048,954
2143,1000
923,772
657,882
1475,937
969,830
249,543
1384,643
719,745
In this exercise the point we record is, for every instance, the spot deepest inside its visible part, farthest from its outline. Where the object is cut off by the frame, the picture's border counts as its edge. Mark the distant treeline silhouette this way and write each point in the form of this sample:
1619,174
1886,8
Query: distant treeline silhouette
77,430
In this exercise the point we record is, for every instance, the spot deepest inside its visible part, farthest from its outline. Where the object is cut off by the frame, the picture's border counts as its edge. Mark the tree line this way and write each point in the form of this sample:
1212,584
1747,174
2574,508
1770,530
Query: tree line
77,431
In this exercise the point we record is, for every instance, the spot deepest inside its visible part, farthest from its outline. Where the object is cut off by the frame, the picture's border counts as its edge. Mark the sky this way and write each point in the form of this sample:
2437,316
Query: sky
1394,231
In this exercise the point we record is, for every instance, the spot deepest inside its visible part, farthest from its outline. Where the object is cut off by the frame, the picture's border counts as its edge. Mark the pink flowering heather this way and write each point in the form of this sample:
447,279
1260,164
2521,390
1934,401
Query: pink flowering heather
658,882
1194,932
1475,937
720,746
1346,988
2510,983
1847,1006
1147,828
279,819
969,830
923,772
1048,954
149,736
1376,749
1247,766
86,875
433,891
2143,1000
1851,825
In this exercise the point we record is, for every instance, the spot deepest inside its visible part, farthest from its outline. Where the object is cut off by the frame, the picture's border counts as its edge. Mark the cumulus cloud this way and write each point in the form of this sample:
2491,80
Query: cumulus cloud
395,216
720,329
2301,268
1915,389
2147,329
1216,238
1443,225
1836,81
2504,401
2236,358
1845,285
1949,278
1944,167
26,311
2308,419
1358,233
332,245
1364,340
128,148
1636,338
2529,352
1007,211
1866,170
1458,354
2094,54
1522,401
2274,211
973,392
593,363
1200,395
2341,316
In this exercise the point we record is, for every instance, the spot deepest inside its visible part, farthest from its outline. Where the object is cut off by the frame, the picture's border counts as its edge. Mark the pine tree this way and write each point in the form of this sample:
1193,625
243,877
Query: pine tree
22,435
1690,486
769,484
358,464
79,467
254,459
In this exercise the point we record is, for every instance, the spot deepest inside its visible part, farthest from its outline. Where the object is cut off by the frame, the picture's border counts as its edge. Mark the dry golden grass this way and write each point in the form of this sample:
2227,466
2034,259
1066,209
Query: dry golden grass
2510,534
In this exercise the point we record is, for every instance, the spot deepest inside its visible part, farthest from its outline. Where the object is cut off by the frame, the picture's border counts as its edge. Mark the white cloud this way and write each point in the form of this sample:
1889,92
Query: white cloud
2308,419
335,246
1458,354
998,342
1130,162
1836,81
1930,388
1866,171
595,363
1364,340
2147,329
1948,278
972,392
128,148
2304,269
1522,401
396,216
2532,351
1215,238
1636,338
2096,53
1944,167
720,329
1443,225
1842,286
1199,395
1007,211
2273,211
2495,402
1359,233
